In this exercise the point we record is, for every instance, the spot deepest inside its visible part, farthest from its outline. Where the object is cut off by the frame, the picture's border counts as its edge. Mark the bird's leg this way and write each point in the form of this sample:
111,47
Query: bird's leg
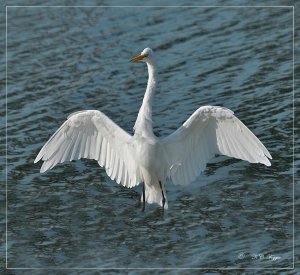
144,199
163,196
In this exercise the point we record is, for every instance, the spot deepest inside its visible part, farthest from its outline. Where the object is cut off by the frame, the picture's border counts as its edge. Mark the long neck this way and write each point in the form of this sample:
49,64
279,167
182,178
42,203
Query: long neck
143,124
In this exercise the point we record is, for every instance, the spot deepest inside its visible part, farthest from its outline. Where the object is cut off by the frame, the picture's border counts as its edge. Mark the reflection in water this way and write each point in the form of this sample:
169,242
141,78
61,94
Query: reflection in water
69,59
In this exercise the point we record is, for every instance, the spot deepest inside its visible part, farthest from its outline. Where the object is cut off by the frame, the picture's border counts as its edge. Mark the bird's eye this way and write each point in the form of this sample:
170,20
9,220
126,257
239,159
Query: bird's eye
146,55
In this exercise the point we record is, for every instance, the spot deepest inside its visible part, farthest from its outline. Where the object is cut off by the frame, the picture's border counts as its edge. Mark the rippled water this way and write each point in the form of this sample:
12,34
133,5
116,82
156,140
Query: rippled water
62,60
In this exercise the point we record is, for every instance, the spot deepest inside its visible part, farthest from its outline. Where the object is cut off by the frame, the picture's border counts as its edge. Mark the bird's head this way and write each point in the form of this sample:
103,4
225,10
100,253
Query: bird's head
145,56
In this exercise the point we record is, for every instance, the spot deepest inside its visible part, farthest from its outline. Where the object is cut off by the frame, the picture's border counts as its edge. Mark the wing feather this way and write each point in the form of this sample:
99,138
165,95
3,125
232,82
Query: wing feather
120,172
98,141
91,134
103,153
208,131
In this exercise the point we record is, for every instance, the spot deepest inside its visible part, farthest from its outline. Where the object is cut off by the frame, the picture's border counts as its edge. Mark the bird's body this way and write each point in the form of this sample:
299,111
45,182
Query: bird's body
145,158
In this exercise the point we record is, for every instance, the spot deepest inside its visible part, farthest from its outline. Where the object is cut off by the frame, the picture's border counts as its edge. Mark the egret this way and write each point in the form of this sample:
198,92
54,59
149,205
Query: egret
143,158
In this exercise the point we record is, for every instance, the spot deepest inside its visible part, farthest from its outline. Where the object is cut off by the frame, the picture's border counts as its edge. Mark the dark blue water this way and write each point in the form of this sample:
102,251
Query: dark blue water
61,60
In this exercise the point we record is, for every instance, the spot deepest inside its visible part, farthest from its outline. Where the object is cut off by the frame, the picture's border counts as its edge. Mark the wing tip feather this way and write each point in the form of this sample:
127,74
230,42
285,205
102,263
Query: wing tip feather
43,169
267,162
38,157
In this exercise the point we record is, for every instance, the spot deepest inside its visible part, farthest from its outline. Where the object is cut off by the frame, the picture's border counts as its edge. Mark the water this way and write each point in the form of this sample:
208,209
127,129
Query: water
62,60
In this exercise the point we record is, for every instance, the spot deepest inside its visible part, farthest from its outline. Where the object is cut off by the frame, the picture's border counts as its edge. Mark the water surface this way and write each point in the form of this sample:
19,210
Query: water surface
61,60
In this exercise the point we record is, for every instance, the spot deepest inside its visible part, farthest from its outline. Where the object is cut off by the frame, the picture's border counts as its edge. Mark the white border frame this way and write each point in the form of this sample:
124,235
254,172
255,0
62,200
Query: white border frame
158,268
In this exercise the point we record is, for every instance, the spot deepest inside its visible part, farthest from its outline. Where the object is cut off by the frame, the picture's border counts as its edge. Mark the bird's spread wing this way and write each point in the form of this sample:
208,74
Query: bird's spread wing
91,134
210,130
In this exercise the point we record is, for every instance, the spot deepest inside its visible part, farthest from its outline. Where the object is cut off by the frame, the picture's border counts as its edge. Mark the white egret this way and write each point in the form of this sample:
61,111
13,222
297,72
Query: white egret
145,158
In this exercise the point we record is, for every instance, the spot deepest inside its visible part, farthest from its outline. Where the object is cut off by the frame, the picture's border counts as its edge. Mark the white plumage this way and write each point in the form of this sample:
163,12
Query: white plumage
144,158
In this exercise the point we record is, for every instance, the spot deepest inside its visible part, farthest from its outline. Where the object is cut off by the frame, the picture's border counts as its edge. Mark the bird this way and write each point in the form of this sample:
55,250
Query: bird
142,157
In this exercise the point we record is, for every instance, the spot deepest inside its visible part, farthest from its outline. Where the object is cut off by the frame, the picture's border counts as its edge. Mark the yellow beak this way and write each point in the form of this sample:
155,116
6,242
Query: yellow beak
137,58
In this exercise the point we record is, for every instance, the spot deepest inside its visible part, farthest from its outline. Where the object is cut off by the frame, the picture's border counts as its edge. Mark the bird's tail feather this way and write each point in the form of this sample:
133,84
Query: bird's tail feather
154,195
